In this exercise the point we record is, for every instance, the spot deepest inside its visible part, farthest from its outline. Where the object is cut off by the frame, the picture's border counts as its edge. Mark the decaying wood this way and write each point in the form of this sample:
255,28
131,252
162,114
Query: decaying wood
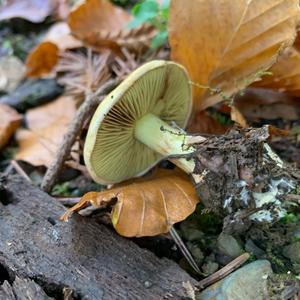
237,168
22,289
81,256
74,129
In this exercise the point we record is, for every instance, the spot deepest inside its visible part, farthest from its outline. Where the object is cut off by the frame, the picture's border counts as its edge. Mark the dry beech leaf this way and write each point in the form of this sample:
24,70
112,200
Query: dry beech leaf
262,103
137,39
10,121
99,23
202,122
47,125
95,15
43,58
285,74
229,47
146,208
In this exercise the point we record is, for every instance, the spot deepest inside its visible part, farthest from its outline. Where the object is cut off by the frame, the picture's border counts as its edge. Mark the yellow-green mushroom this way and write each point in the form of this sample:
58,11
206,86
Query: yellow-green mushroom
139,123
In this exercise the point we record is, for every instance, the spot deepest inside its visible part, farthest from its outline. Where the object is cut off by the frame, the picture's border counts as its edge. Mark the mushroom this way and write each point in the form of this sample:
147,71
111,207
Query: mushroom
139,123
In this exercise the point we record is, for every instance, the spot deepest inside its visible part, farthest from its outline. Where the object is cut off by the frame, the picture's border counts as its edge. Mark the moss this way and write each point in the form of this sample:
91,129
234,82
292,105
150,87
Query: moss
278,284
298,190
206,221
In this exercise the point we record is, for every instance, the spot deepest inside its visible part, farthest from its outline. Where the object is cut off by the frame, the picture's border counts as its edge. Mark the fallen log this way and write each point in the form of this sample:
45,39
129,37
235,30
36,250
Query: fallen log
82,257
22,289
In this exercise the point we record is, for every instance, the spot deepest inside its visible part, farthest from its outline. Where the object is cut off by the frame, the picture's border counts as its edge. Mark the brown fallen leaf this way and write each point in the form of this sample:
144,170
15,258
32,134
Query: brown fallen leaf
32,10
232,45
285,76
147,208
96,15
47,125
43,58
10,121
202,122
136,40
99,23
267,104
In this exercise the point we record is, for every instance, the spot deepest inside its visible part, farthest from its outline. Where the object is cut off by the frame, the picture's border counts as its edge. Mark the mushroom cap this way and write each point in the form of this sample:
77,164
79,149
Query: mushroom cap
111,152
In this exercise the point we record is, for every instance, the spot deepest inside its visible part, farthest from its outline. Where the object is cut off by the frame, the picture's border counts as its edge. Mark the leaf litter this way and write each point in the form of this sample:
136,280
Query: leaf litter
95,44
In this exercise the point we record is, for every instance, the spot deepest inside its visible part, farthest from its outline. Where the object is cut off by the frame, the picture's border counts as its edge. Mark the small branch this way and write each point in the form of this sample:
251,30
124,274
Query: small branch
91,101
68,201
233,265
20,171
184,250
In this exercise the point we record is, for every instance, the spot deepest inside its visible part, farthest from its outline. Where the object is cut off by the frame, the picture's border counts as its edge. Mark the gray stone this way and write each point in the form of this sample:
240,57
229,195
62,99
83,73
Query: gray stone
196,252
229,246
210,267
32,93
253,249
190,232
247,283
292,252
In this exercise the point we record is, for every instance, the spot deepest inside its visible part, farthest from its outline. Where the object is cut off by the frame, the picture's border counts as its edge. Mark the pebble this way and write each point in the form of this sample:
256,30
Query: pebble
210,267
247,283
32,93
190,233
229,246
292,252
196,252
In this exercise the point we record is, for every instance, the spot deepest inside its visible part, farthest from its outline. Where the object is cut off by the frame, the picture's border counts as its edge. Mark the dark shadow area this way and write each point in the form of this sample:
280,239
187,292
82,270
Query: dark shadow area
5,275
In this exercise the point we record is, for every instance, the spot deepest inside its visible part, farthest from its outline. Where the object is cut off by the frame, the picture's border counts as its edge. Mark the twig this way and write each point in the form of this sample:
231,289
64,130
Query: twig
68,201
233,265
20,171
186,253
91,101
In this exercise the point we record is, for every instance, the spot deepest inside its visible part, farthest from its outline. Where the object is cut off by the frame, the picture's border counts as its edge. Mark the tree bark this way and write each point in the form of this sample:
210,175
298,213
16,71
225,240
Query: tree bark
85,258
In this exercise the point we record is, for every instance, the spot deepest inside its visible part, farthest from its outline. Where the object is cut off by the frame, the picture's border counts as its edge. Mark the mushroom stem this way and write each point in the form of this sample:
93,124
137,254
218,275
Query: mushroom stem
164,139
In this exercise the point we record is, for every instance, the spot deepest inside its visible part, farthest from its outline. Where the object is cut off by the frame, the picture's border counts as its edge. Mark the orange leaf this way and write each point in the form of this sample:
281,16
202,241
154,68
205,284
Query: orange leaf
10,121
285,74
99,23
96,16
146,208
43,58
226,44
47,125
201,122
137,39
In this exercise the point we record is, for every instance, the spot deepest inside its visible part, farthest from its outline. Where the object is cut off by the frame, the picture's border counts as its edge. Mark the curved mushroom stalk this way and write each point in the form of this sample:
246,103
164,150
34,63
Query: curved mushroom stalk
165,140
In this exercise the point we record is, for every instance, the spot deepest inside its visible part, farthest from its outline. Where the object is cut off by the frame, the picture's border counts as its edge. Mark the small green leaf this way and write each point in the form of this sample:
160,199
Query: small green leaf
144,12
159,39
